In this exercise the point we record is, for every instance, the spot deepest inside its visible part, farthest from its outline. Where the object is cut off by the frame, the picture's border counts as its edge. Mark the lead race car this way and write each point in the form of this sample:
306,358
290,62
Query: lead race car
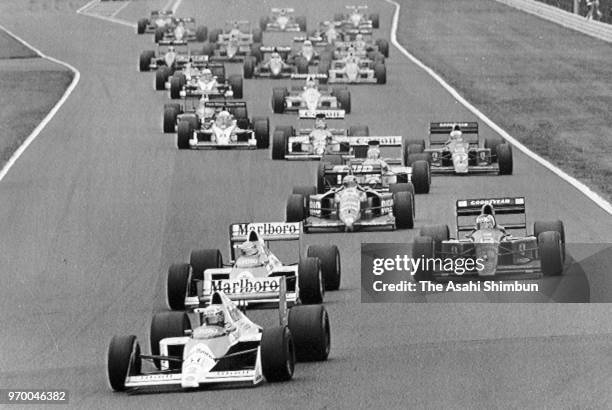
457,148
502,255
225,348
356,19
351,207
312,100
282,19
233,43
192,81
268,62
354,70
254,273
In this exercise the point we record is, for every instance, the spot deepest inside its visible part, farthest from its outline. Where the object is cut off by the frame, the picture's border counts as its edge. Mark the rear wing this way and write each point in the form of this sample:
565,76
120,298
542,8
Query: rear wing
509,212
447,127
304,76
279,10
185,19
439,132
354,7
353,169
224,104
271,49
268,231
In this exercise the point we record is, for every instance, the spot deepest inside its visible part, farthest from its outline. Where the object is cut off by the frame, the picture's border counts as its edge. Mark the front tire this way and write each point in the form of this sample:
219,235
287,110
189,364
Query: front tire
329,258
310,281
277,354
123,359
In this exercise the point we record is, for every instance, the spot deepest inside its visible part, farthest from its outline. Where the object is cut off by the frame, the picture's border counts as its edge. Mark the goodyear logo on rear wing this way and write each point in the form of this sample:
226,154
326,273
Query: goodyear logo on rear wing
330,114
355,168
466,203
267,230
297,76
392,140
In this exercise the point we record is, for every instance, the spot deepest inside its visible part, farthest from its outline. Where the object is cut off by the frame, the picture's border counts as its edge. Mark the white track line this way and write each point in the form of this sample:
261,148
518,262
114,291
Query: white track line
75,80
601,202
127,3
176,5
83,11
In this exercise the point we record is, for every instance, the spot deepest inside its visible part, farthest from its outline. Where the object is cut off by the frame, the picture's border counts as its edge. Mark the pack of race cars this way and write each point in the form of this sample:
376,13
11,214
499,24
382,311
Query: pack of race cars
207,337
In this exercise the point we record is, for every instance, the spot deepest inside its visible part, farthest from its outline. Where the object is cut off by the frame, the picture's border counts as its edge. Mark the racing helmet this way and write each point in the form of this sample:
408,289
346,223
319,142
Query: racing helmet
214,316
485,222
456,133
359,37
349,181
320,123
224,119
249,248
207,75
310,83
283,12
275,56
307,45
171,49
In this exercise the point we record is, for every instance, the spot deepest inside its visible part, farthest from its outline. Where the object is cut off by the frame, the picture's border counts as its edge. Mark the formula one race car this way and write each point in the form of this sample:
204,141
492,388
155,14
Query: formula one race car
172,56
218,124
312,100
159,19
233,43
209,81
282,20
373,171
312,143
324,36
354,70
357,19
254,274
351,207
226,348
456,148
494,252
268,62
362,46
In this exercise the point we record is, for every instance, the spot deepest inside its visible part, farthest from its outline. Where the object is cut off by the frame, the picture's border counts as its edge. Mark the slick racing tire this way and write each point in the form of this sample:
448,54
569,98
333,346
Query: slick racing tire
423,247
402,187
184,132
261,127
123,359
415,148
176,85
383,47
409,146
213,35
403,210
219,72
375,20
177,284
545,226
322,182
492,143
412,158
159,35
279,144
551,252
504,159
310,281
161,76
168,324
437,233
171,111
421,177
141,26
311,332
301,22
235,83
295,211
203,259
257,35
380,73
201,33
278,99
323,68
208,49
145,60
306,191
277,354
344,99
302,65
329,258
248,67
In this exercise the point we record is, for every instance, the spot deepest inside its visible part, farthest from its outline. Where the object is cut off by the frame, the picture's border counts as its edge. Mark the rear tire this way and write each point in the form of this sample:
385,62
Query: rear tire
261,127
403,210
204,259
176,286
145,60
278,99
161,76
310,280
344,100
329,258
504,159
421,177
422,247
235,83
279,145
550,250
295,211
380,73
248,68
184,133
311,333
171,112
141,26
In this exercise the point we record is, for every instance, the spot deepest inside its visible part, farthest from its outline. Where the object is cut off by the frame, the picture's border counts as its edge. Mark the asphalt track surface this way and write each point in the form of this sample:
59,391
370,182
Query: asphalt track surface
98,207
